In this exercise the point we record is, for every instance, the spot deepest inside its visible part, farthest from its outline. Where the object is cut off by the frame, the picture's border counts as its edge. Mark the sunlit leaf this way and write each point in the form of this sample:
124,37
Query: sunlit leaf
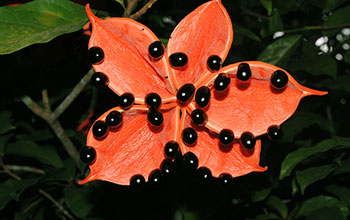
38,22
299,155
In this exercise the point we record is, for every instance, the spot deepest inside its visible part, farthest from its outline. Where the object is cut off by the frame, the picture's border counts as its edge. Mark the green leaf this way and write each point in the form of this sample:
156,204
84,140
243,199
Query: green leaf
299,155
268,216
6,121
312,175
3,141
260,195
344,168
332,4
38,22
343,193
275,23
277,204
317,65
279,51
341,83
239,29
164,41
45,154
79,200
120,2
328,213
302,120
11,189
267,4
339,18
36,135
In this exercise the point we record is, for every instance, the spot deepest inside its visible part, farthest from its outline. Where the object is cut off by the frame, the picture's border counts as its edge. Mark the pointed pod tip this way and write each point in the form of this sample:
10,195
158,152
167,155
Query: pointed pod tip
308,92
90,14
86,180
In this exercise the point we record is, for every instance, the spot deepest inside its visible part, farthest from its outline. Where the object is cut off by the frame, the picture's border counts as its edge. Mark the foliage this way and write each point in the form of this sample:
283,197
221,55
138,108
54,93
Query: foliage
308,168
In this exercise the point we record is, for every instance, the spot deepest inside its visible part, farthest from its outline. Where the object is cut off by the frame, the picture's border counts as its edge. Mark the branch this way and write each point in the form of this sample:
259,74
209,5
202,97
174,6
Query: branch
314,28
57,204
8,172
72,95
143,10
130,7
24,169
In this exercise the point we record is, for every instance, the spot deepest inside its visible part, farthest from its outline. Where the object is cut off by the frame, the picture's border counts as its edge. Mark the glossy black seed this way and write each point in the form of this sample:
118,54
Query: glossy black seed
153,100
99,80
279,79
185,93
156,49
274,132
243,72
222,82
155,117
114,118
204,173
171,149
189,136
202,96
167,166
248,140
214,63
199,117
225,178
191,160
99,129
137,181
96,55
226,136
155,177
126,100
88,155
178,59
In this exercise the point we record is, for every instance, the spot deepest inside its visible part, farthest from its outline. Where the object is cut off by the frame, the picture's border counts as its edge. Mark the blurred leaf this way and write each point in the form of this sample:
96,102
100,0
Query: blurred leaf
347,57
164,41
312,175
38,22
339,17
120,2
294,186
275,23
36,135
6,121
302,120
79,200
11,189
267,4
45,154
328,213
340,83
277,204
344,168
280,50
260,195
343,193
320,202
332,4
245,32
3,141
317,65
65,174
299,155
268,216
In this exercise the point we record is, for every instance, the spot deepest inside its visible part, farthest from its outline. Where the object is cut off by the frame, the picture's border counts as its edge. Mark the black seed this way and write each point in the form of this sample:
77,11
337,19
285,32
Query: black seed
214,63
99,80
137,181
189,136
114,118
274,132
243,72
248,140
155,177
202,96
199,117
225,178
167,166
126,100
204,173
153,100
155,117
226,136
171,149
96,55
178,59
185,93
222,82
156,49
279,79
99,129
191,160
88,155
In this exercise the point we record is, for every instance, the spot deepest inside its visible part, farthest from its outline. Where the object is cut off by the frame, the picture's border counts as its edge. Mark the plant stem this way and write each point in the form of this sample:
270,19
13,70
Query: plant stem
143,10
24,169
313,28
